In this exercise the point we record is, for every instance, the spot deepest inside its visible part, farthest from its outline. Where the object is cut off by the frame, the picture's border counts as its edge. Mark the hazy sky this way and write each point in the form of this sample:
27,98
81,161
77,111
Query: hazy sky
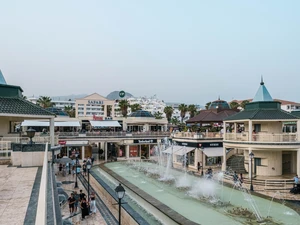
184,51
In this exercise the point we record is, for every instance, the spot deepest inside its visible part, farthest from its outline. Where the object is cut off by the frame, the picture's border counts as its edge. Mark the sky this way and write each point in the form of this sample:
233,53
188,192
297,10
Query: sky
181,51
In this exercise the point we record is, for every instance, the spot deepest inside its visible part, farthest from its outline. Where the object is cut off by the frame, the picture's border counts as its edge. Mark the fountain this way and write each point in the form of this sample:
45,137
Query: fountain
203,201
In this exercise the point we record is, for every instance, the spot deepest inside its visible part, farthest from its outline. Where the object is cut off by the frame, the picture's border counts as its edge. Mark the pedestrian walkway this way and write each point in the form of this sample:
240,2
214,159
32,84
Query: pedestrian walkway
16,186
68,184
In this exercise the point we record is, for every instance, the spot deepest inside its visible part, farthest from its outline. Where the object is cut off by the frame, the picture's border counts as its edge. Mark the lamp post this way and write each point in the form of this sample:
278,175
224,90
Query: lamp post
120,193
30,133
76,155
88,166
251,155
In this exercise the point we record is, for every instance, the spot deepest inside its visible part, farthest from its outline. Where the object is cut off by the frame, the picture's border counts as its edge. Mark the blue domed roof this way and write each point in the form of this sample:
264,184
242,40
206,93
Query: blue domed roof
219,104
141,113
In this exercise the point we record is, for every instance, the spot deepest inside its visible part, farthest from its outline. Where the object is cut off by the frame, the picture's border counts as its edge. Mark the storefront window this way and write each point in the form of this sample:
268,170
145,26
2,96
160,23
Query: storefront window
121,151
153,150
145,151
134,151
213,161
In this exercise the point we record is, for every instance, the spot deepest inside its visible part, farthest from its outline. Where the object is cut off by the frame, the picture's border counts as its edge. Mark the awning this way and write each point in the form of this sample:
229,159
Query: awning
184,150
77,143
104,123
35,123
175,149
213,152
67,124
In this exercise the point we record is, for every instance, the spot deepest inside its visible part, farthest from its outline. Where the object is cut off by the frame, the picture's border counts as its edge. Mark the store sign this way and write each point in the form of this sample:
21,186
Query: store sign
62,142
200,145
145,141
95,102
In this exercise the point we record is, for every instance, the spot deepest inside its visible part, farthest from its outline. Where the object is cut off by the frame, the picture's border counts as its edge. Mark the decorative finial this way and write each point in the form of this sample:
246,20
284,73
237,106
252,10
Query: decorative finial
262,80
219,98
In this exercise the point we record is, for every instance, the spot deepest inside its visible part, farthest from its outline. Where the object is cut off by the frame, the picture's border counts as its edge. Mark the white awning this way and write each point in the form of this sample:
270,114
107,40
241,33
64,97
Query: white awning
77,143
184,150
36,123
104,123
213,152
67,124
175,149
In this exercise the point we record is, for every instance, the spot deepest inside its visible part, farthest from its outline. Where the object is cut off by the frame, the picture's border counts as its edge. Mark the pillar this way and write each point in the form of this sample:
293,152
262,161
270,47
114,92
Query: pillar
83,152
224,130
105,151
235,130
298,162
224,159
52,132
127,151
250,130
196,157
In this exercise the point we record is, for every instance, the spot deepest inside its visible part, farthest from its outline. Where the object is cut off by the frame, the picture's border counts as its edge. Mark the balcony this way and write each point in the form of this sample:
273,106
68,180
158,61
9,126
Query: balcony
263,137
195,135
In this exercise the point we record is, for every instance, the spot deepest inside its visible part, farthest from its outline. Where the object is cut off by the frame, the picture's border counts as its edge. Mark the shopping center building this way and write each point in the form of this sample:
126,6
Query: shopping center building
276,149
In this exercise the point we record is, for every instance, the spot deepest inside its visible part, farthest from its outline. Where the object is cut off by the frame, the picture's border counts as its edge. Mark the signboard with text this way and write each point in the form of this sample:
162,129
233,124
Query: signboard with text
145,141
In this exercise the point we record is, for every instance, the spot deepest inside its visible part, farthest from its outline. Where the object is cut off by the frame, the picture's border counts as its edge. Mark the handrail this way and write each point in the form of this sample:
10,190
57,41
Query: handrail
41,214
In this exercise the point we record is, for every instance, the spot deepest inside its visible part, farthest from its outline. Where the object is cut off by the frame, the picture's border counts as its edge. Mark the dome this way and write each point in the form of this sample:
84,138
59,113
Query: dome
219,104
57,111
141,113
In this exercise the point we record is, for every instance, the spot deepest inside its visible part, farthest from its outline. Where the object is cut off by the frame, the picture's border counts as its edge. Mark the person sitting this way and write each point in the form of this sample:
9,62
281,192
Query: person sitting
296,180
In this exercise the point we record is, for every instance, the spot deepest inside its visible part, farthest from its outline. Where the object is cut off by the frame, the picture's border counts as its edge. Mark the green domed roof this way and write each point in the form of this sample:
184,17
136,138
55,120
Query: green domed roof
141,113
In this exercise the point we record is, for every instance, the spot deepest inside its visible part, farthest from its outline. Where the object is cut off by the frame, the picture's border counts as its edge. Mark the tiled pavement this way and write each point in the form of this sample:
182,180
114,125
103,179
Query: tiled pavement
15,191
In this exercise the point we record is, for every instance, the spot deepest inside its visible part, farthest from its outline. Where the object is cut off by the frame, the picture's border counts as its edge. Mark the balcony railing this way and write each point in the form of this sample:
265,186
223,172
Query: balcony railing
114,134
262,137
194,135
37,139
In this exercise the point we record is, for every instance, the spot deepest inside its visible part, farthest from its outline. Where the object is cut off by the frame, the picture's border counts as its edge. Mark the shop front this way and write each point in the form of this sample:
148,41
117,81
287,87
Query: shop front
143,148
68,148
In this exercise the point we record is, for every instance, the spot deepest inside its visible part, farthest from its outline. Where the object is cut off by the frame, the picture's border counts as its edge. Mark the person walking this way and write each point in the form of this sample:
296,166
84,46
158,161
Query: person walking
81,195
198,167
84,208
76,196
93,203
71,201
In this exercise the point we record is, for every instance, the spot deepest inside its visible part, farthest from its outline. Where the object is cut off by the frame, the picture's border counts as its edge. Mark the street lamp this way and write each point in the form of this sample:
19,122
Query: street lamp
251,155
120,193
30,133
76,155
88,166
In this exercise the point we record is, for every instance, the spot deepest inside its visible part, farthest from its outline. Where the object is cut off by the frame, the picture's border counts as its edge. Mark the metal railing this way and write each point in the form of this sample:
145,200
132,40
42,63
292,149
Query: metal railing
37,139
195,135
114,134
262,137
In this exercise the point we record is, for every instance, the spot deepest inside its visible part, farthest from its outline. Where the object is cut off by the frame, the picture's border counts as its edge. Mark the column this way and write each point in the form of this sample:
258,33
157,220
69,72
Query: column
105,111
52,132
224,130
113,111
235,127
196,157
127,151
298,162
83,152
224,159
250,130
105,151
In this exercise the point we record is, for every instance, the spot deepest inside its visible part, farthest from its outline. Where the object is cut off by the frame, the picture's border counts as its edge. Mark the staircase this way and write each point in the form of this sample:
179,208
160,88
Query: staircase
236,163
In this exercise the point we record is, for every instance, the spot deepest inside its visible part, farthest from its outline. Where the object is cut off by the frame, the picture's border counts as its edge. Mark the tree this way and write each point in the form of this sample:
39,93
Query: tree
70,111
192,109
124,104
243,104
158,115
168,110
45,102
234,105
175,121
135,107
183,108
207,105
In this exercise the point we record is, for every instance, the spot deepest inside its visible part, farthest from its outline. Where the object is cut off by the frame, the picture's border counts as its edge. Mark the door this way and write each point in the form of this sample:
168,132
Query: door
257,162
286,163
257,128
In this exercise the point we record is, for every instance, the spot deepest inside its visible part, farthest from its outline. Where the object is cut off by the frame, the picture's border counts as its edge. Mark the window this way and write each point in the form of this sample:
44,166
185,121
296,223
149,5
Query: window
14,127
80,104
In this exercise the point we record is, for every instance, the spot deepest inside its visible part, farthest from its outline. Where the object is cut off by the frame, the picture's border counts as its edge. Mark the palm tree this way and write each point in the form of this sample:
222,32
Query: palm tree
183,108
135,107
234,105
70,111
243,104
192,109
124,104
158,115
168,110
175,121
45,102
207,105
